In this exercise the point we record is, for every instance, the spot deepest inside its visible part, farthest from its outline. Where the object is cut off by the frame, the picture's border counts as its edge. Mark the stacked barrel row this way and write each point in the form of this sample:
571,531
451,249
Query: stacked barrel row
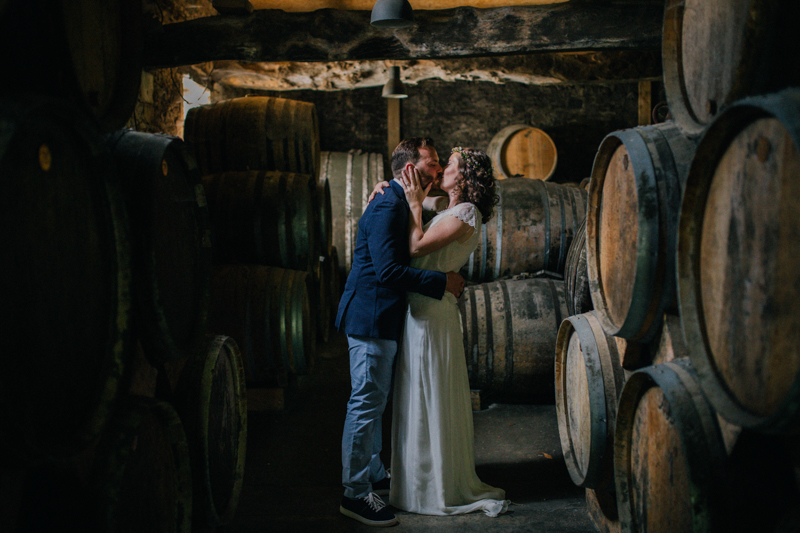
107,256
275,278
677,396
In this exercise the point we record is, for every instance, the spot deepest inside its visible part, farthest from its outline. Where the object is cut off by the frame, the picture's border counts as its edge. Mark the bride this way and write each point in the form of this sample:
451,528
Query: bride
433,463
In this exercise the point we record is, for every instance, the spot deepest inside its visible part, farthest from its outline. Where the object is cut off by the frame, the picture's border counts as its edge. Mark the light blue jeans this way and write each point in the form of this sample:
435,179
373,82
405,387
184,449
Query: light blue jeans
371,364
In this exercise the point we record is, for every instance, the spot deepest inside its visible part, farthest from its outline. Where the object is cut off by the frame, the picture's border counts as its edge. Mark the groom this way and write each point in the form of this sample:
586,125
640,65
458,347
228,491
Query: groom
372,311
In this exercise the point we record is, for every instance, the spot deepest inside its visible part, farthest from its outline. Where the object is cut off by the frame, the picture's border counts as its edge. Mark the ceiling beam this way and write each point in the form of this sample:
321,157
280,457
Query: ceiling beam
341,35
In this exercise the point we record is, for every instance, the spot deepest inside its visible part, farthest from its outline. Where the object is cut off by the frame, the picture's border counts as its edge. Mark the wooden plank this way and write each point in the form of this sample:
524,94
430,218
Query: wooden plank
339,35
645,102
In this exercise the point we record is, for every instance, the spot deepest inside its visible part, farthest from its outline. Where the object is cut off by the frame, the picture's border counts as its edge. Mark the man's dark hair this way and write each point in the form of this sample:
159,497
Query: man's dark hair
408,152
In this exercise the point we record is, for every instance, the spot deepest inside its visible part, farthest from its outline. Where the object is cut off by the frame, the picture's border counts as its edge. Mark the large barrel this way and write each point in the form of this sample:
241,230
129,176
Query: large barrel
634,201
171,241
263,217
142,478
211,400
267,310
66,261
104,39
351,176
576,274
510,329
532,230
324,217
668,453
588,380
759,41
738,250
522,151
255,133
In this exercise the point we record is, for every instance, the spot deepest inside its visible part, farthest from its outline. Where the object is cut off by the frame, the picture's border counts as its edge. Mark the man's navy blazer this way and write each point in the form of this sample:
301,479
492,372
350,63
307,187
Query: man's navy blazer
374,300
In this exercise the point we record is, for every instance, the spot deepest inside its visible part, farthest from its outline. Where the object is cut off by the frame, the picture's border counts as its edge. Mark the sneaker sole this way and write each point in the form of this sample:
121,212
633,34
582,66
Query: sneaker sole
375,523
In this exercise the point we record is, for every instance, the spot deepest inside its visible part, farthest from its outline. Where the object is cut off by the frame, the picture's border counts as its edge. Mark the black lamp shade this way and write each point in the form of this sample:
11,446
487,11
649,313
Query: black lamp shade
392,14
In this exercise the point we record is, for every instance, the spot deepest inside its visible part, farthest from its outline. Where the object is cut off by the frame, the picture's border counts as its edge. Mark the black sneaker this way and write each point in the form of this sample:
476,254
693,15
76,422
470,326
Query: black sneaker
368,510
381,488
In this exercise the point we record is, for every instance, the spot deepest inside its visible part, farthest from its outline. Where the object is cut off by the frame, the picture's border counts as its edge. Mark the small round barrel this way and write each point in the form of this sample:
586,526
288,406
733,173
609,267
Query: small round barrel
520,151
668,453
212,402
588,380
264,218
634,201
142,478
267,310
104,40
66,260
759,41
510,329
739,240
255,133
171,241
532,229
576,274
351,176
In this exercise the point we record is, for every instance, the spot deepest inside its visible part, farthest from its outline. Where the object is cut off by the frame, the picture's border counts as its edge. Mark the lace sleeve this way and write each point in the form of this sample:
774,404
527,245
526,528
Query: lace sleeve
466,213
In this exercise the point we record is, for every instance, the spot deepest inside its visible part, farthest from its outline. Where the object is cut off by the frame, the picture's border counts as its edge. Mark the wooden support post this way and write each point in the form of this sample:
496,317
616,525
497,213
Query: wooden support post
392,124
645,102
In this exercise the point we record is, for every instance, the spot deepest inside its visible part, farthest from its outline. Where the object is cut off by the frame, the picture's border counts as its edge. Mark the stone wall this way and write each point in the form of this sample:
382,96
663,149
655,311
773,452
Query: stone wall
466,113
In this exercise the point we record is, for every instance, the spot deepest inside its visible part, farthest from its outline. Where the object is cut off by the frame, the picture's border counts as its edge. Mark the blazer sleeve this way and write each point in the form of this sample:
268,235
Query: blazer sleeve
388,245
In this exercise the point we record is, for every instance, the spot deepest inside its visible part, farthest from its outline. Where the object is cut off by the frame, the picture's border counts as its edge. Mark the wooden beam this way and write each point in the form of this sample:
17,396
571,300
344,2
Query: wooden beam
339,35
392,124
645,102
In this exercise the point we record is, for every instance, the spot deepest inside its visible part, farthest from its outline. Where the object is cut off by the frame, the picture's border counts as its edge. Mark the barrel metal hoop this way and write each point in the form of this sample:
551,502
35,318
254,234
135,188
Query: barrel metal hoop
499,248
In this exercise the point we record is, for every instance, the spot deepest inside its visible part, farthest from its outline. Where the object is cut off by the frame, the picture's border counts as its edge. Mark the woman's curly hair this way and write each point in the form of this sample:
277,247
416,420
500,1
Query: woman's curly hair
477,185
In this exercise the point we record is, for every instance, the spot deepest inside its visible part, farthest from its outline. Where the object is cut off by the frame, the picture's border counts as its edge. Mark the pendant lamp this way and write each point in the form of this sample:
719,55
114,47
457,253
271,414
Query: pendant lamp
394,88
392,14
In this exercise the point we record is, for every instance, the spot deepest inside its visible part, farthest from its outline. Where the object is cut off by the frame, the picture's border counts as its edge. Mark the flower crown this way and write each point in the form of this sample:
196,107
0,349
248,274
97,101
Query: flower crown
470,161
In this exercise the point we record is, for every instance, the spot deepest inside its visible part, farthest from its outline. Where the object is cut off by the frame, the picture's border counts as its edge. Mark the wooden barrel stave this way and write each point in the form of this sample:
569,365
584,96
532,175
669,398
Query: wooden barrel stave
510,328
69,257
531,231
634,196
739,224
576,274
171,241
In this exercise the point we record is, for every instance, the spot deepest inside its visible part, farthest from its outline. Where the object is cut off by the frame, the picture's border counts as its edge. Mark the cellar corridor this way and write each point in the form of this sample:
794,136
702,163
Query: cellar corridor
293,467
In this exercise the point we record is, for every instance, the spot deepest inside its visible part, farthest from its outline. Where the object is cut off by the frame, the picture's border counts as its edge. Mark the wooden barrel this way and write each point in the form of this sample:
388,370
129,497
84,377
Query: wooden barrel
510,329
759,41
211,400
588,381
324,217
255,133
668,453
66,258
267,310
263,217
104,39
352,177
321,299
142,476
531,230
634,201
739,242
576,274
171,241
520,151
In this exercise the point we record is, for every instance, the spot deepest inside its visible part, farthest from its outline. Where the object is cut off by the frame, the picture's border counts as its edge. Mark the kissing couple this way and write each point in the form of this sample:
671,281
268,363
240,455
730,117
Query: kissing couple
399,312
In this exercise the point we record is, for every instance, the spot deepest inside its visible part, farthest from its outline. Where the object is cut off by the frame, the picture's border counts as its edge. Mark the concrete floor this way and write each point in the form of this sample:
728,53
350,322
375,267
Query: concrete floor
292,479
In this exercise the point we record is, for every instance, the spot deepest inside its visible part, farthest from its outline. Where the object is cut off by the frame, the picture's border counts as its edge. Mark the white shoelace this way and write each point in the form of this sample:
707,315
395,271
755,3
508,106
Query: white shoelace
375,501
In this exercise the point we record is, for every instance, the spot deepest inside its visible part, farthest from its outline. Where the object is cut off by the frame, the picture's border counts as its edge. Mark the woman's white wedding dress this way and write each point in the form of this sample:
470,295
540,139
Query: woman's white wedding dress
433,462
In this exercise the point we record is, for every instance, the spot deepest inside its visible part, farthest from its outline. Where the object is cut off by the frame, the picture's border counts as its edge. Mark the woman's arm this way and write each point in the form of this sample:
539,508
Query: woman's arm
443,233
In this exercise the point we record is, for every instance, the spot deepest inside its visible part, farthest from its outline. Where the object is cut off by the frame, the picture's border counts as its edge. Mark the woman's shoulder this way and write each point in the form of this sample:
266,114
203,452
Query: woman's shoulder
465,212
